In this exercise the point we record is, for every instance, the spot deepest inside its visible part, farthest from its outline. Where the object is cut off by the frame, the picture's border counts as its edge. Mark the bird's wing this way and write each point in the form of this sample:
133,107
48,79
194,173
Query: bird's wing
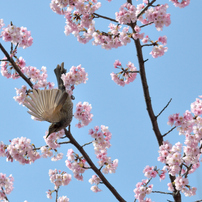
45,105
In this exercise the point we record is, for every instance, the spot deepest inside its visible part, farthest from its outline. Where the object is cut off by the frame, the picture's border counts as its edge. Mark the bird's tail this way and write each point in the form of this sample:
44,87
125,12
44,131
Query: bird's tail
59,70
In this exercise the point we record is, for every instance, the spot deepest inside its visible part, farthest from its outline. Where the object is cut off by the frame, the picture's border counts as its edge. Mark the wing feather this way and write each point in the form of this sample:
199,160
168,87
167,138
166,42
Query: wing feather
45,105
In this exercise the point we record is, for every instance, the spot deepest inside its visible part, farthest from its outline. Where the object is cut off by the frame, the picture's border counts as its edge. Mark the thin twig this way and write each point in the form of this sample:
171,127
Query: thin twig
169,131
87,144
104,17
161,192
64,142
164,108
148,45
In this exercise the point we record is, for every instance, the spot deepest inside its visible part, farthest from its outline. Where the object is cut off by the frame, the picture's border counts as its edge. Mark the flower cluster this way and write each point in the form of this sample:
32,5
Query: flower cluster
113,39
79,19
101,144
181,4
178,165
126,14
95,180
58,6
76,164
83,114
142,190
159,50
46,152
21,94
184,123
181,184
6,186
1,23
196,107
2,149
21,150
51,141
63,199
59,178
75,76
17,35
158,16
126,76
7,69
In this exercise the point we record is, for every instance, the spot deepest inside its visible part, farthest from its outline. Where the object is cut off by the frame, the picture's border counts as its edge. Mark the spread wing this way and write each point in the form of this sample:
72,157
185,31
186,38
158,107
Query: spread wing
45,105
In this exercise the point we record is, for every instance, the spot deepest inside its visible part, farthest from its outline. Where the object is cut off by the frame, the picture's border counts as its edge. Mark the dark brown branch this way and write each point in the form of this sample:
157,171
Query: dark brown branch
15,66
164,108
129,1
159,137
146,93
64,142
104,17
169,131
148,45
93,167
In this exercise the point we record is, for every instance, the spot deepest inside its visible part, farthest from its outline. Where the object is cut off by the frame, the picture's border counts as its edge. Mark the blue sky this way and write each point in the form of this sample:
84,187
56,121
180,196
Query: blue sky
176,75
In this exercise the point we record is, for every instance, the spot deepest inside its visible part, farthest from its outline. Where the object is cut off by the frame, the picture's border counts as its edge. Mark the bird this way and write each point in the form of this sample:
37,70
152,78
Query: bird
52,105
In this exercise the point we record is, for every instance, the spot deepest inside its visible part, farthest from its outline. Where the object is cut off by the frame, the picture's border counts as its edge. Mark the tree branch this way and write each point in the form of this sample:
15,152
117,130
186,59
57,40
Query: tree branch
159,137
169,131
104,17
161,192
164,108
94,168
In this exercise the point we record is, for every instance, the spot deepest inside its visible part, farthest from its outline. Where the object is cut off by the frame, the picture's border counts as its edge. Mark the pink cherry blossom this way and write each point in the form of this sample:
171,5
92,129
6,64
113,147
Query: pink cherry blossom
95,189
126,76
51,141
59,178
63,199
76,164
158,16
142,190
181,4
6,186
83,114
17,35
127,14
1,23
22,151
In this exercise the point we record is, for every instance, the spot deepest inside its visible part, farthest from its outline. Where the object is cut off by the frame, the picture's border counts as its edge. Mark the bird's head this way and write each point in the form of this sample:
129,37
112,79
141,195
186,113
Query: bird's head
54,127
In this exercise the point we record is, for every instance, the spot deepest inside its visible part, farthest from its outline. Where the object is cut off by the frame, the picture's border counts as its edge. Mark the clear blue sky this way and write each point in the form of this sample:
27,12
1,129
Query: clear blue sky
176,75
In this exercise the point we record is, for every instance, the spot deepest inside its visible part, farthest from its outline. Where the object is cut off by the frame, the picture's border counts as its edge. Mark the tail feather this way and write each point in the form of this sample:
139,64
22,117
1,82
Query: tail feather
59,70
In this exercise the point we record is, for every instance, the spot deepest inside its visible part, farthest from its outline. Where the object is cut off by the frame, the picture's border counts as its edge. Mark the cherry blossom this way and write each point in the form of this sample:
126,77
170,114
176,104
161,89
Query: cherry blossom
181,4
59,178
22,151
83,114
76,164
126,76
6,186
17,35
